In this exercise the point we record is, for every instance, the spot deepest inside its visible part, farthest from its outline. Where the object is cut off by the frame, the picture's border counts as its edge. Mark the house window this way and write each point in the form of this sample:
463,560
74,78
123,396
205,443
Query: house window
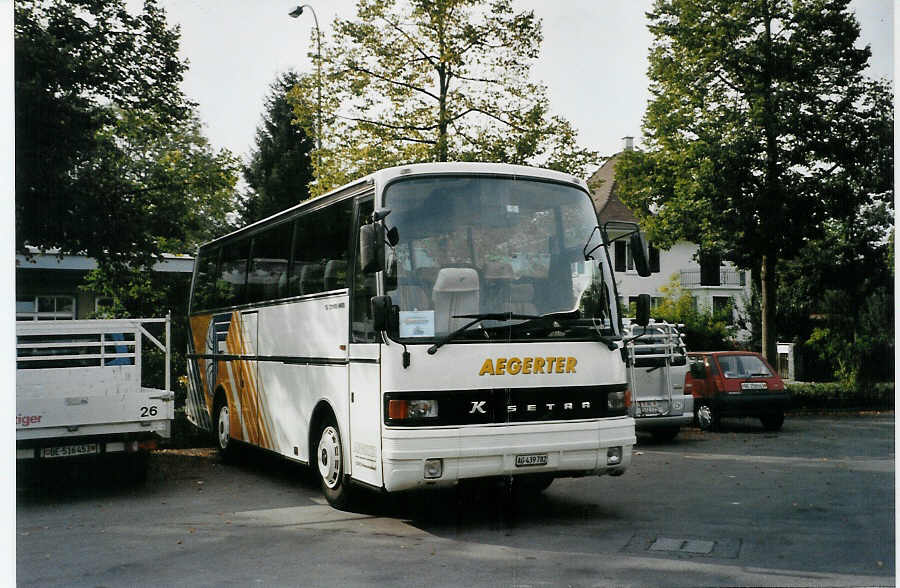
624,260
45,308
709,270
655,301
654,260
722,306
621,255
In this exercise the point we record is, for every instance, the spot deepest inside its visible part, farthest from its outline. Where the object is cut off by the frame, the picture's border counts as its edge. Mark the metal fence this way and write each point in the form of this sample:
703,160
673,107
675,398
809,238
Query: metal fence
727,277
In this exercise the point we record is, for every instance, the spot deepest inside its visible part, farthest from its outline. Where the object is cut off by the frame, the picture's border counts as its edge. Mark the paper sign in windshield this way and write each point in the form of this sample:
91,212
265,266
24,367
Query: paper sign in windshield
416,323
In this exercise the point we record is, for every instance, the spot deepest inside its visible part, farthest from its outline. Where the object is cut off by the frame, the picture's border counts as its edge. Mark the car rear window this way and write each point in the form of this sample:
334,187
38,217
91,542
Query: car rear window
743,366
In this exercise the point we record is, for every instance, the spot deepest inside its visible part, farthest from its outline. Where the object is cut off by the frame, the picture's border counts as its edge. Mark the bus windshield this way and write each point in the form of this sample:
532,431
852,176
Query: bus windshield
476,245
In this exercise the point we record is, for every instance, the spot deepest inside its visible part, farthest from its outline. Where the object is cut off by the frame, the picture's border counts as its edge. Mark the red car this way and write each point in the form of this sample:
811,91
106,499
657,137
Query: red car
735,384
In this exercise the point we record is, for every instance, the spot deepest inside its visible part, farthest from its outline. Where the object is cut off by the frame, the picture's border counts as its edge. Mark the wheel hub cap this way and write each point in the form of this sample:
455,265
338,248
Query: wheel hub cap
704,416
330,457
223,427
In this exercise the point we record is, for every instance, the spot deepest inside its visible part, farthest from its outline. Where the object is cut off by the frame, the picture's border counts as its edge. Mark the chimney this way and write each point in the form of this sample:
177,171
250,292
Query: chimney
628,143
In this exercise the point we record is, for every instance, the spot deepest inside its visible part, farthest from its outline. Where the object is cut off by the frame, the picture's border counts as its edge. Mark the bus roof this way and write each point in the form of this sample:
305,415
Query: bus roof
384,176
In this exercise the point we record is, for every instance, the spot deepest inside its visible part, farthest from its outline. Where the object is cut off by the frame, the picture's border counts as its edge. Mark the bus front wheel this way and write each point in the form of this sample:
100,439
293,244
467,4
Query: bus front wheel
330,465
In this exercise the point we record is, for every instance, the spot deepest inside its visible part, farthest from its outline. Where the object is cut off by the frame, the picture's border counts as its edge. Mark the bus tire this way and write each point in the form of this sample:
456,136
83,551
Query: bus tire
532,483
329,464
224,442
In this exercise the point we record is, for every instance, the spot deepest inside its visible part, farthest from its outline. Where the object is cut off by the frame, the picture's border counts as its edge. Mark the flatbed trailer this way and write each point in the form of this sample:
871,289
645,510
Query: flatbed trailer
79,392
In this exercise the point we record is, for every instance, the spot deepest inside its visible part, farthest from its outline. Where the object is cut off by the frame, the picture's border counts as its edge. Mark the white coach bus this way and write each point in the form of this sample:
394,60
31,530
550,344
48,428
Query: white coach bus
421,326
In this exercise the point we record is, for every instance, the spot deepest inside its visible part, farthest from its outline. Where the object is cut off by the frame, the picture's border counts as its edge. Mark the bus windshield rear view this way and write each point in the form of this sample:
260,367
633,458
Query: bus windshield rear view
483,245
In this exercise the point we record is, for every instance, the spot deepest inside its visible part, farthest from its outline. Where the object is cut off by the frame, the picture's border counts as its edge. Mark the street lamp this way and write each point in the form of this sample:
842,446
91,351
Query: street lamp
296,12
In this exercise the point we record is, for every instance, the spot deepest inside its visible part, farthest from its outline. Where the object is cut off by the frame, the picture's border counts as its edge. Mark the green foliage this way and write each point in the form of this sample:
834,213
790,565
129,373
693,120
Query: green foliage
761,129
834,395
110,160
280,170
434,80
704,330
857,339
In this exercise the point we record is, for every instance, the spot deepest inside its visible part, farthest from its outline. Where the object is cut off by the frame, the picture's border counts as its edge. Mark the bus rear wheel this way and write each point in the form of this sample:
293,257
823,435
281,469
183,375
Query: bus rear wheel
329,460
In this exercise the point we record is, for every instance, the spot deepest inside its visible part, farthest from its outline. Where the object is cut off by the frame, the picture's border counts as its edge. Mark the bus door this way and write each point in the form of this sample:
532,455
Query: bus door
364,355
247,380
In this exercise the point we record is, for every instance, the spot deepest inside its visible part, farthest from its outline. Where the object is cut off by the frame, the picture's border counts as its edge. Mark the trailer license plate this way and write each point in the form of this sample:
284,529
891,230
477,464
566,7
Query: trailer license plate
531,460
650,408
70,450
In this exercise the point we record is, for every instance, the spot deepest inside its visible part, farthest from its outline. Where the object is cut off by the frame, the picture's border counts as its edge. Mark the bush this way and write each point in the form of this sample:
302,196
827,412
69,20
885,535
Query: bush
836,395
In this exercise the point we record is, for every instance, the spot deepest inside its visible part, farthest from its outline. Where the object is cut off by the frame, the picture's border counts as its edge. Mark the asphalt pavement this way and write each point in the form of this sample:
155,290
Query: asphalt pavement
811,505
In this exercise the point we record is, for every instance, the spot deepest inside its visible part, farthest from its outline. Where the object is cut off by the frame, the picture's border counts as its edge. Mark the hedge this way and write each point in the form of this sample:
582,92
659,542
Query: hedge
834,395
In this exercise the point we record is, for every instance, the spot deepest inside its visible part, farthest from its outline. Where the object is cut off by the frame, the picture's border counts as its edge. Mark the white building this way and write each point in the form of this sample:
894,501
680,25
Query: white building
48,286
717,286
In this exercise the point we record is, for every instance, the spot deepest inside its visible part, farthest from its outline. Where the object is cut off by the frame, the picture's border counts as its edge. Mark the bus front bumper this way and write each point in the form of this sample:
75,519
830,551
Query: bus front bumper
562,449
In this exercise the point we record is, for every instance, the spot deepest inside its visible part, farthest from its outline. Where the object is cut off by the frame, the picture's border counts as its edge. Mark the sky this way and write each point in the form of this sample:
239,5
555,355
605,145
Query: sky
593,61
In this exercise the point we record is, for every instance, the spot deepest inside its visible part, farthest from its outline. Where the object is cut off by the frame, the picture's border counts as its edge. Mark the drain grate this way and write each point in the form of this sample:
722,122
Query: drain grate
684,546
689,546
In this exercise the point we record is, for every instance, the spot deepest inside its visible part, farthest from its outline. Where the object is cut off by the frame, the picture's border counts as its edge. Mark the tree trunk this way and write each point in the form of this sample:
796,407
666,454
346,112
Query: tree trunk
768,304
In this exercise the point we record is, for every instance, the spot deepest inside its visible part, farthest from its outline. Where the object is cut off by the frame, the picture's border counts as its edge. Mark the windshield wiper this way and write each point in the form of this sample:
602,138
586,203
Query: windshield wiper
477,318
509,316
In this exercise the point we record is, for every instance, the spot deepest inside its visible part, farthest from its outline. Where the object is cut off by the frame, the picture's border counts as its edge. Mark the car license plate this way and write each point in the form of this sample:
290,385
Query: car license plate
754,386
70,450
531,460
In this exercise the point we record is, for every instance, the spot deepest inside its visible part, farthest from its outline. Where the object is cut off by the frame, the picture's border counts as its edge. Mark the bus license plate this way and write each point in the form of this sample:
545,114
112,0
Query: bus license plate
531,460
70,450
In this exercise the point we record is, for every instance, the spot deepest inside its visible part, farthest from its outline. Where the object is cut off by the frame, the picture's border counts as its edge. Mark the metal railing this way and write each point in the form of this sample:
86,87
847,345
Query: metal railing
727,278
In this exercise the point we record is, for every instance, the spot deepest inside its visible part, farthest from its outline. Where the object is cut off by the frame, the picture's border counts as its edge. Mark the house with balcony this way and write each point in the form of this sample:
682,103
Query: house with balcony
713,284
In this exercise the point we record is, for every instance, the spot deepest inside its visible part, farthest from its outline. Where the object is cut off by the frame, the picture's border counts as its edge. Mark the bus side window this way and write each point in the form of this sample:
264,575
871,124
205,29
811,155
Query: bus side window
232,277
205,284
267,277
362,328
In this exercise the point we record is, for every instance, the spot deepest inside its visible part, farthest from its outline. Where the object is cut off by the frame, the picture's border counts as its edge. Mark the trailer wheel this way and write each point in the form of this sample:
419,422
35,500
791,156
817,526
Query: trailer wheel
224,442
707,417
329,460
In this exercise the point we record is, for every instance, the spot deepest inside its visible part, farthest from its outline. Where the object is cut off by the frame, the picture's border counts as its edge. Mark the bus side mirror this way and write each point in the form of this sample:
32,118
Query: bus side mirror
371,248
639,254
382,312
642,314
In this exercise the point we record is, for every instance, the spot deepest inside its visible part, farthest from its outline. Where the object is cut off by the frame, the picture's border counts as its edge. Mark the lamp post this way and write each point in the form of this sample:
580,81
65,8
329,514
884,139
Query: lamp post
296,12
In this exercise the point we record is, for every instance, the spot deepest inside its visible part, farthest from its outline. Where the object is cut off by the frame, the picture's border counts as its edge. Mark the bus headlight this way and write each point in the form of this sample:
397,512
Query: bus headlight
401,410
434,468
615,401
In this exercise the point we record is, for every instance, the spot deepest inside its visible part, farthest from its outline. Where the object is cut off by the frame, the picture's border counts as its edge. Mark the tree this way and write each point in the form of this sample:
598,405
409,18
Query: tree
434,80
280,170
110,160
761,129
